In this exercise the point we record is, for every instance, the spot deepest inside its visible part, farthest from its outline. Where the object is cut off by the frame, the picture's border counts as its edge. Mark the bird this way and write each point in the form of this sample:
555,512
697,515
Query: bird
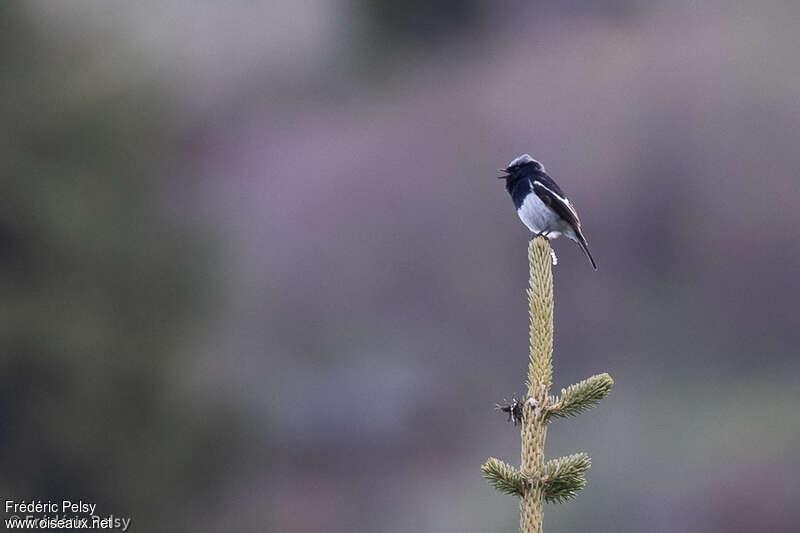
541,204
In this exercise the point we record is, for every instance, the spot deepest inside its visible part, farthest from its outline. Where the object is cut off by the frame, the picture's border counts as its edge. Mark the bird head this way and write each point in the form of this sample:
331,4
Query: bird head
520,165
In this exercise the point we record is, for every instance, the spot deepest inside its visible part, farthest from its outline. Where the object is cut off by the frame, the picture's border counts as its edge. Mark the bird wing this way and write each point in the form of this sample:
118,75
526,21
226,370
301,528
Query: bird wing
557,202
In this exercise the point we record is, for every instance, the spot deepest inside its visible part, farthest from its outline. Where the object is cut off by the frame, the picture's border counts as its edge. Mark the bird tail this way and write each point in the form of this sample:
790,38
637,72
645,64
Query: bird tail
582,241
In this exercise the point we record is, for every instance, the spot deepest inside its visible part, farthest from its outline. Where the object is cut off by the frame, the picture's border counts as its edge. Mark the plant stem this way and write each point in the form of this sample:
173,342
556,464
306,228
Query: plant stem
559,479
540,377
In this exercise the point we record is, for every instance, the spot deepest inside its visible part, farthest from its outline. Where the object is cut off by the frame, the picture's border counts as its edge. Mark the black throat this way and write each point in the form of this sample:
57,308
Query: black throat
518,187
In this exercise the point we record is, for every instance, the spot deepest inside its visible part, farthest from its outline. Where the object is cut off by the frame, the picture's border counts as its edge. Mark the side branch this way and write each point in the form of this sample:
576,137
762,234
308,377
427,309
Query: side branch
580,397
504,477
564,477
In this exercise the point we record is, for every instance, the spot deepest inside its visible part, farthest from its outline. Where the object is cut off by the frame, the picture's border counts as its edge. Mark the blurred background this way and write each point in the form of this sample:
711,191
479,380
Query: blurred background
257,273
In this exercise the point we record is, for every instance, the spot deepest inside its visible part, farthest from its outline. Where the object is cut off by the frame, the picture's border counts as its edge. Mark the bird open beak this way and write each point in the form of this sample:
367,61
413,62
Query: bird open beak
502,177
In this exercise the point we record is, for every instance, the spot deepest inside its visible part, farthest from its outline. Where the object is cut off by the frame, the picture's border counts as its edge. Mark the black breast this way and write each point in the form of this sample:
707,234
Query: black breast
518,189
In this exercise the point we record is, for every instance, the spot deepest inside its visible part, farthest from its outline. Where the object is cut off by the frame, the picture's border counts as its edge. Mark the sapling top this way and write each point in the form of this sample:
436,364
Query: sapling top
537,481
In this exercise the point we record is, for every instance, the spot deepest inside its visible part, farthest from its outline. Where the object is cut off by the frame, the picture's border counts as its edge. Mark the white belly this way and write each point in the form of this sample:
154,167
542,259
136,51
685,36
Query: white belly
540,218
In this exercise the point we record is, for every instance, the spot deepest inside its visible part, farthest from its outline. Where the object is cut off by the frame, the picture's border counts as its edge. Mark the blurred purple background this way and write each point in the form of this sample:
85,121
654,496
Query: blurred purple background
258,273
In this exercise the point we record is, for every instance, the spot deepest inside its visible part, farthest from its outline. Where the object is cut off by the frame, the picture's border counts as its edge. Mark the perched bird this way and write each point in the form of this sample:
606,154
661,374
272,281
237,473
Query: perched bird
540,202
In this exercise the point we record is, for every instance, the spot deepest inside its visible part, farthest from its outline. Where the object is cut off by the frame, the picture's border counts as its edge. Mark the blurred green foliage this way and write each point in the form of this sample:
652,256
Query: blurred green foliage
390,30
96,286
394,22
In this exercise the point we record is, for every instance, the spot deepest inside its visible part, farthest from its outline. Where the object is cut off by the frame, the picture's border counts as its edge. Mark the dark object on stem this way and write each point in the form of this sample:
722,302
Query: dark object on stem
513,408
